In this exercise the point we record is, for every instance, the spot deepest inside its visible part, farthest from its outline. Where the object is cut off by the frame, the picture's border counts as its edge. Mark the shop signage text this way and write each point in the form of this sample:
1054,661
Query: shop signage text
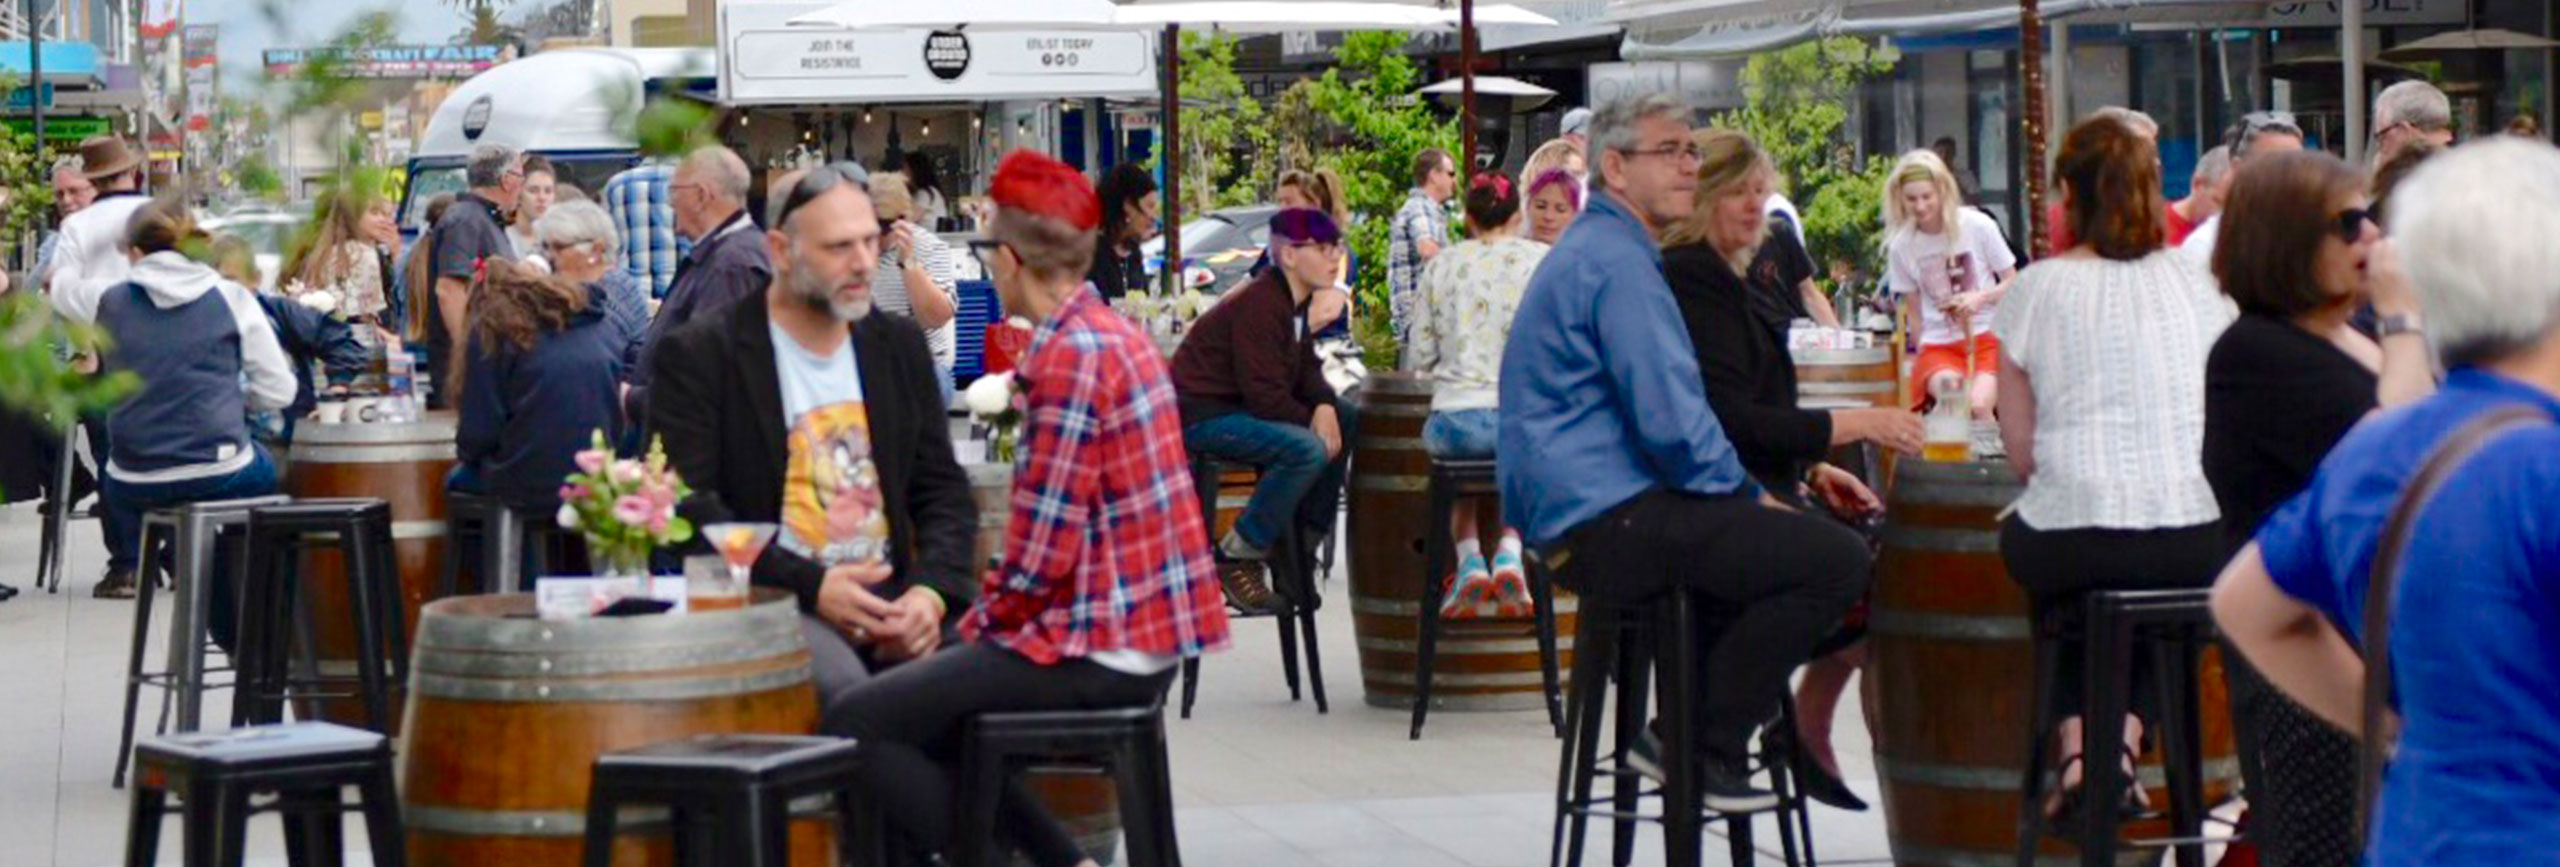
2377,13
767,61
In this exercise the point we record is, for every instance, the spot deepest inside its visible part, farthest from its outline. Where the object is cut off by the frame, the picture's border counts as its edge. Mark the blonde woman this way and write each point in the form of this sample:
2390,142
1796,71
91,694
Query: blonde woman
1951,266
344,259
1725,270
1557,154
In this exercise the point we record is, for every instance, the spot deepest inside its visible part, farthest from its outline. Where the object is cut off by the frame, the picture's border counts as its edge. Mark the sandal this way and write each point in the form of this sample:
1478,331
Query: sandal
2062,807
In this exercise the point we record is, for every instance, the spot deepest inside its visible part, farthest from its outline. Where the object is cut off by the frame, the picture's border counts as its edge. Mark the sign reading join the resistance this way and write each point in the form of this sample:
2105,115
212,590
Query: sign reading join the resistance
766,61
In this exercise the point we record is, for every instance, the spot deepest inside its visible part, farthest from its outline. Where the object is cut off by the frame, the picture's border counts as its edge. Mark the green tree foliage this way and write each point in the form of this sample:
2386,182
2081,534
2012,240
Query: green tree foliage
26,180
1796,105
1219,120
34,379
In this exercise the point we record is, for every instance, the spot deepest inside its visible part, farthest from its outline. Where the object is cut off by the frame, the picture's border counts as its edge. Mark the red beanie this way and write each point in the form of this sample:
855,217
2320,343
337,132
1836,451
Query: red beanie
1036,184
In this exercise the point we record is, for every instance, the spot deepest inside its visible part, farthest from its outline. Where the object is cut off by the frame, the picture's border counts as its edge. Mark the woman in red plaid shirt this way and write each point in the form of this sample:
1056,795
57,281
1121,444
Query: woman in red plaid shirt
1107,584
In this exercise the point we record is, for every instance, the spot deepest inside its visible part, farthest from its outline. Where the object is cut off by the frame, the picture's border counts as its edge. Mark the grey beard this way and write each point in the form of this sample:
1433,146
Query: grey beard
822,299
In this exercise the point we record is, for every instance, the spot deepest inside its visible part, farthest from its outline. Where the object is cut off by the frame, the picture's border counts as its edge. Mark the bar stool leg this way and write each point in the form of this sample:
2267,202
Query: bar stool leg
2102,713
603,811
1435,561
382,831
760,828
193,568
2177,663
1635,664
982,778
1304,608
1190,684
57,523
133,661
1144,829
1542,597
142,825
357,547
231,825
1581,740
2048,666
386,556
1679,684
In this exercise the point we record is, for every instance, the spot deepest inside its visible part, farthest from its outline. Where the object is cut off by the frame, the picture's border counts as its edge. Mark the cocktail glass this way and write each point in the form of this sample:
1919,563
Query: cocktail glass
739,544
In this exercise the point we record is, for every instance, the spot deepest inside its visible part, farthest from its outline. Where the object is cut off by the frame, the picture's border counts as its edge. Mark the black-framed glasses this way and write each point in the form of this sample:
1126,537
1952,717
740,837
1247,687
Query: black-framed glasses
820,181
2350,223
1687,151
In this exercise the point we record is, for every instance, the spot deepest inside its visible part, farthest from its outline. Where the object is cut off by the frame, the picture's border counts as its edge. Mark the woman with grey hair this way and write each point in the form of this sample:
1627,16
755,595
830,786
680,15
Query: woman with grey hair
580,244
2454,495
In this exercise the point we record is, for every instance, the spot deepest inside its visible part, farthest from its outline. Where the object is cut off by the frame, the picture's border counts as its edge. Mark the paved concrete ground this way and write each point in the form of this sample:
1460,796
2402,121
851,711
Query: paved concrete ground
1260,781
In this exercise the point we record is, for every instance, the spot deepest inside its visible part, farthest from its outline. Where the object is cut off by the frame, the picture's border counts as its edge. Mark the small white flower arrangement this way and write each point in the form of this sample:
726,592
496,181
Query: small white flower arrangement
996,401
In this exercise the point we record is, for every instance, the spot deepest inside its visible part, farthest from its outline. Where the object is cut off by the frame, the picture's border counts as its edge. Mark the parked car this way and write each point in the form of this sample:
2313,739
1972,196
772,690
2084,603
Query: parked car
268,231
1218,250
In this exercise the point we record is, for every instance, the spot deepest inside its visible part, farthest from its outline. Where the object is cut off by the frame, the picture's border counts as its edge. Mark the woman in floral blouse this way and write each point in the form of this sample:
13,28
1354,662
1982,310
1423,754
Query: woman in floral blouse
343,260
1468,294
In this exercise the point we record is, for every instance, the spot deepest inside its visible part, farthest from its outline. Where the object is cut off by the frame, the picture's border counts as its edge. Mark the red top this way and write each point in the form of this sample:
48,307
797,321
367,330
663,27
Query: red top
2178,225
1105,550
2176,228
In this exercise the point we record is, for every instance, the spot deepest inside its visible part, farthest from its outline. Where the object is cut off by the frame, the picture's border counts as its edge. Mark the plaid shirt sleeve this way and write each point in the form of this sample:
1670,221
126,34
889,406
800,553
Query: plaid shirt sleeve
1055,486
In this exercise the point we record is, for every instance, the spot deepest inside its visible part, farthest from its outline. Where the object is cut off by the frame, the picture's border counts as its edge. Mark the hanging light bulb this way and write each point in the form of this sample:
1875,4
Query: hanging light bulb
866,115
928,129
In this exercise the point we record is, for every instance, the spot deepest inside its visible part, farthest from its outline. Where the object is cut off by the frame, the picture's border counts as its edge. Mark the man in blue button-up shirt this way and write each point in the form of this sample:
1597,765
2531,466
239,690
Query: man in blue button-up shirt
1615,467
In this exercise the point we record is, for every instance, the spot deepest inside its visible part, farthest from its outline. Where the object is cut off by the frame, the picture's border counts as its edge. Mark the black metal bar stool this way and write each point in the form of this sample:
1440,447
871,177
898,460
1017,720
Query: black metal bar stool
730,794
58,511
182,542
1293,583
480,524
1451,482
218,775
1624,644
2173,626
1127,743
360,529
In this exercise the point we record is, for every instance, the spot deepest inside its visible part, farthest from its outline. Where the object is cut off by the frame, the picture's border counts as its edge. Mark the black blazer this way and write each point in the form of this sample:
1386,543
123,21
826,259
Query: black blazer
719,409
1750,378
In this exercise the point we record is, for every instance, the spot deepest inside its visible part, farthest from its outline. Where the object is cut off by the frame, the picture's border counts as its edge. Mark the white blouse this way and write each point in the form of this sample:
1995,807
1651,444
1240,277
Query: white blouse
2115,352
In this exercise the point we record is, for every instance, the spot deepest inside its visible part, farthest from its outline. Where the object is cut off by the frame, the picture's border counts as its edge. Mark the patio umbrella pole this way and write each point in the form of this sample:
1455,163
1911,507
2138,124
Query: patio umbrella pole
1172,160
2351,59
1467,93
2031,115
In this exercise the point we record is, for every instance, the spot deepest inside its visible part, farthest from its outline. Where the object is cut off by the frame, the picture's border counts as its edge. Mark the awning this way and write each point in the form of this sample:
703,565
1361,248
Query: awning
1694,29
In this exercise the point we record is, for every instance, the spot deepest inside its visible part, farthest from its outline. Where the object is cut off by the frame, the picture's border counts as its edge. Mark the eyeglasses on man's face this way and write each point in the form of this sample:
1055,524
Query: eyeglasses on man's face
1673,150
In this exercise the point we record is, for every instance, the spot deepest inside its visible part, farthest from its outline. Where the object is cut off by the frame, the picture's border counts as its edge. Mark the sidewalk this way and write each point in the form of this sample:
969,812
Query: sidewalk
1261,782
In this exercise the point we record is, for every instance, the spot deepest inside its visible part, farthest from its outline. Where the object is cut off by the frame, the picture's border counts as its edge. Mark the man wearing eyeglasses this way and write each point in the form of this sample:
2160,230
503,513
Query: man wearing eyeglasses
2258,134
728,260
1420,229
473,231
1252,392
800,407
1615,468
2407,112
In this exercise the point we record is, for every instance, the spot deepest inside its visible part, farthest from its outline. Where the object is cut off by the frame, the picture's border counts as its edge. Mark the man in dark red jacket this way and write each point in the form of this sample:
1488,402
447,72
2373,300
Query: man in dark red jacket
1253,393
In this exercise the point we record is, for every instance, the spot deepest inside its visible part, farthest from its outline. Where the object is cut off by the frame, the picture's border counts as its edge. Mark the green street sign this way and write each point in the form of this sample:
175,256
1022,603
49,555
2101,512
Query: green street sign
63,128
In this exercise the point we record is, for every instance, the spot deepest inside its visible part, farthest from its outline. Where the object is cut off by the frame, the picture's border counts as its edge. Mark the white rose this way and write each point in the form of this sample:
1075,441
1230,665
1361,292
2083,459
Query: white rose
990,396
568,517
322,300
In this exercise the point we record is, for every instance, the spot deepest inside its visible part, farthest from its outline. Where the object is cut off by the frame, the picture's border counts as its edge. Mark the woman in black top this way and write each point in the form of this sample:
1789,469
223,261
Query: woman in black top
1738,324
2300,254
1130,216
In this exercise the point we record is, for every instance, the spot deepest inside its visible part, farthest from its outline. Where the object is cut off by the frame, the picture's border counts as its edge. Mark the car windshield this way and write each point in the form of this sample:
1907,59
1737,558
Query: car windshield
266,236
425,185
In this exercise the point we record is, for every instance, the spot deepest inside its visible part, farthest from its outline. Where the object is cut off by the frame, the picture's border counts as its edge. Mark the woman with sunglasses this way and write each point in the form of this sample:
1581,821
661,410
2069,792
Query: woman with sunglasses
2300,254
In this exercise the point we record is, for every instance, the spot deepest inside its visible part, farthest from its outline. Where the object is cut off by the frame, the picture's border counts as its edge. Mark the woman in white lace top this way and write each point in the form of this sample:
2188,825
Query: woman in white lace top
2102,409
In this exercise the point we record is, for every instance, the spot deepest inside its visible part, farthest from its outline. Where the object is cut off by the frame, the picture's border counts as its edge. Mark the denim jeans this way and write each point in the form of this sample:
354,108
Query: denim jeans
1296,476
1462,434
126,502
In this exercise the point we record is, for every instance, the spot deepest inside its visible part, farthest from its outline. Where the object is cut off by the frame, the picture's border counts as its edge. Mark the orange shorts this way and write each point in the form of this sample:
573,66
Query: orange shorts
1950,357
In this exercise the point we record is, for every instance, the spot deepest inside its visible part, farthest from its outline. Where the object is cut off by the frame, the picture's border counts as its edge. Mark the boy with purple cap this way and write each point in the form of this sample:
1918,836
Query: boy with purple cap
1253,393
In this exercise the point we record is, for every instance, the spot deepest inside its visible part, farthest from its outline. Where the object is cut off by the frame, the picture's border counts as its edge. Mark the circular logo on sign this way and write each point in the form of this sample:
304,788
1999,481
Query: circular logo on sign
946,54
475,119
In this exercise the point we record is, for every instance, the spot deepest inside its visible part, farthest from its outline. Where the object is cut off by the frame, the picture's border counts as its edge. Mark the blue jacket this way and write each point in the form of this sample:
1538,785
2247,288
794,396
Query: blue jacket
206,355
309,335
526,414
1601,397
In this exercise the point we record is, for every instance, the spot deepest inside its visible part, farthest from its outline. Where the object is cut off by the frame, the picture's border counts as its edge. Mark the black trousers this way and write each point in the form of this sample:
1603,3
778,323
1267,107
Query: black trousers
1779,581
908,720
2060,568
2300,772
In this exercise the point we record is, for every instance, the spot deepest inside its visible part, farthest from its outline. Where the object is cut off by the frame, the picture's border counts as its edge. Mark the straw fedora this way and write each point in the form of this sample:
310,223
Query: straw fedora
106,157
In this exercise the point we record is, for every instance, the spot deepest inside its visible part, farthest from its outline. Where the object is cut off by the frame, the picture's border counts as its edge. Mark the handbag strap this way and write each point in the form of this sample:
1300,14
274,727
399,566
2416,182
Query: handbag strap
2373,751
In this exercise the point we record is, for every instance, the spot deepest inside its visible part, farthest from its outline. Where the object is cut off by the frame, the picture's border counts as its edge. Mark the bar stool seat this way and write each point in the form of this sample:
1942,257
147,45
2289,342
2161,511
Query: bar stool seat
1450,482
360,529
1293,583
730,794
181,542
2173,626
307,765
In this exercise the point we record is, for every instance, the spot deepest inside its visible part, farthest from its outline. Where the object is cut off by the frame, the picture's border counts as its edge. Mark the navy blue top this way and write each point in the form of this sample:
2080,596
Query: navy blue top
1601,397
526,414
2475,634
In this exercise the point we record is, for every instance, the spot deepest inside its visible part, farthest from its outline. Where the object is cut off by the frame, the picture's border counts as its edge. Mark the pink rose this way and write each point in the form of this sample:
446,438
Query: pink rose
658,522
628,473
574,492
632,510
591,460
662,496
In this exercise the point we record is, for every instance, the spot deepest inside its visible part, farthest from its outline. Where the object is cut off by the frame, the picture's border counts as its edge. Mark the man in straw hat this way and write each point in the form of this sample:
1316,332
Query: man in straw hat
90,255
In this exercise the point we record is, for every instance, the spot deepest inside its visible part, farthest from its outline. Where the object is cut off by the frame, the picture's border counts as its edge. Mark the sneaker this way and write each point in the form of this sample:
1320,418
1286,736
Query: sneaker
1511,586
1645,756
117,585
1724,785
1470,591
1234,547
1247,590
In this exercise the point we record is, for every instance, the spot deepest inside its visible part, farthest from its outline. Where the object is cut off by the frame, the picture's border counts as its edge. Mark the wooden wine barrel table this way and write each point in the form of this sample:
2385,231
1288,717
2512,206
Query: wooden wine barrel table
1489,664
403,464
1950,664
1088,804
1864,376
508,714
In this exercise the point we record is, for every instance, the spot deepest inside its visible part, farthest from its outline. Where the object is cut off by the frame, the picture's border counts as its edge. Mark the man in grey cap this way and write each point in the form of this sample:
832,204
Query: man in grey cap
1577,129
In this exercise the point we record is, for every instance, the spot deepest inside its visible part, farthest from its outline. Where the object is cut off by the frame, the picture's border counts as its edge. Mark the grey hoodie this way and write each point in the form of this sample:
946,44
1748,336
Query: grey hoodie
205,353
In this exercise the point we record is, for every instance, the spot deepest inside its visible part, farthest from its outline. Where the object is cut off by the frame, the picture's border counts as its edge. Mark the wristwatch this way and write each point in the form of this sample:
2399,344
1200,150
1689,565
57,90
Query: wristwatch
2399,323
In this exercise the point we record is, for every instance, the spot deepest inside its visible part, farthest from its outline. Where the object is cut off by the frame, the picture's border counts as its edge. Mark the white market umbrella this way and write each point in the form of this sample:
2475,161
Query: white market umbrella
956,14
1521,95
1276,16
